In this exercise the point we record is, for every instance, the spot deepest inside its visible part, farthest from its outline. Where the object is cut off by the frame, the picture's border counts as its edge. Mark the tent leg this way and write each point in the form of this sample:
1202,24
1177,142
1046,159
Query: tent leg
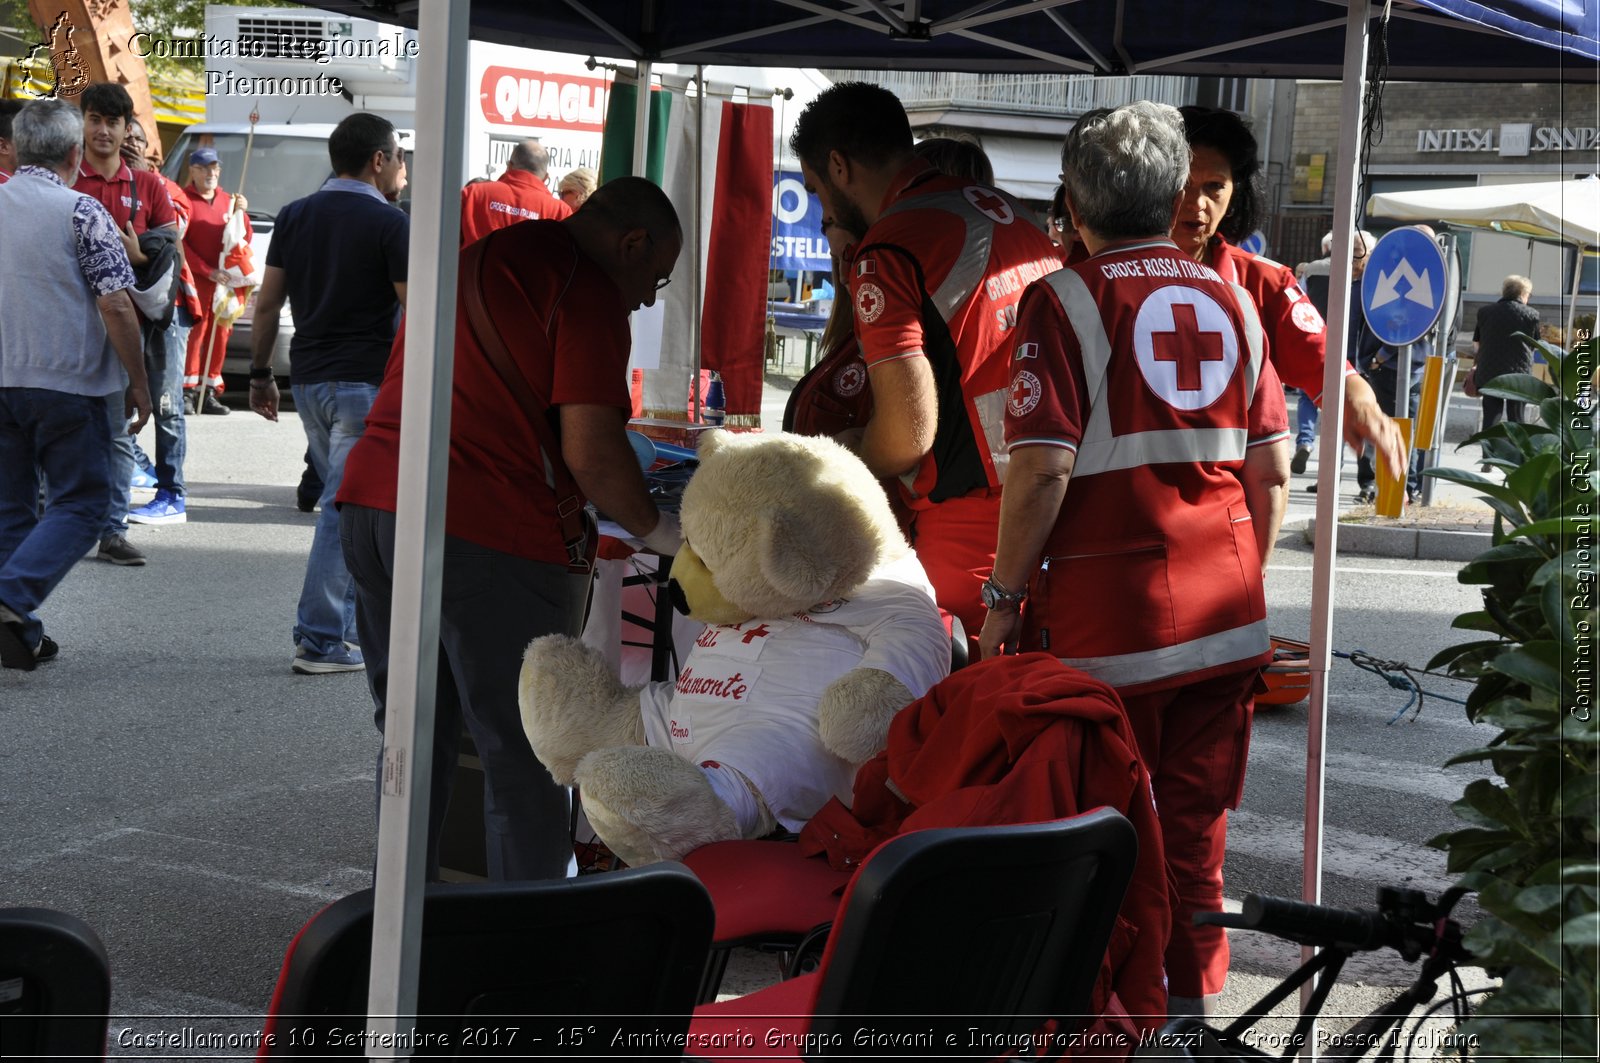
1331,446
419,536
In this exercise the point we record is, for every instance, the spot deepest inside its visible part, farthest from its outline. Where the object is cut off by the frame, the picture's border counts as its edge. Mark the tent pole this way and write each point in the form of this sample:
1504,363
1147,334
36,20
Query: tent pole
1572,304
697,298
405,779
641,122
1330,450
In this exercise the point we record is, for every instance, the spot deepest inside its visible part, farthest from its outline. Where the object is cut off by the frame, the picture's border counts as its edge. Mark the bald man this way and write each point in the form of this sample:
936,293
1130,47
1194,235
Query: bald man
519,195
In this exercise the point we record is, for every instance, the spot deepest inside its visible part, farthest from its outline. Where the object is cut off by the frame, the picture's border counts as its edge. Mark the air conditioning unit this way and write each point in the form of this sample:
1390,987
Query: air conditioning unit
367,56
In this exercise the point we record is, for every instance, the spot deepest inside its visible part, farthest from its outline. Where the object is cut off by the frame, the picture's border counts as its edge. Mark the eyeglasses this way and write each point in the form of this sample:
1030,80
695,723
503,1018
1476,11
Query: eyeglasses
661,282
397,155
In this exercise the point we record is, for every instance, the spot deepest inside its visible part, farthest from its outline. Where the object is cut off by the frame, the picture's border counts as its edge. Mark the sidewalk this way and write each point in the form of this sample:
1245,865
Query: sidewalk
1456,525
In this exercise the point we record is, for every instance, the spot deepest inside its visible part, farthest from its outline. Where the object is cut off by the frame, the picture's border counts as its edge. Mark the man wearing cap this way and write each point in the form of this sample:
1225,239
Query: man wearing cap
209,207
519,194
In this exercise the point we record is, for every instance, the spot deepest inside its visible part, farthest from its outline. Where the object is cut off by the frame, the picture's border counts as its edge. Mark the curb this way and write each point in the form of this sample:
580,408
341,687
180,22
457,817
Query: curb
1413,544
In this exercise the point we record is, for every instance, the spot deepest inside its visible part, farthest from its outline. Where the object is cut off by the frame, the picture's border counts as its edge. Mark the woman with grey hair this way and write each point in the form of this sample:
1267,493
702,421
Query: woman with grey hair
1149,451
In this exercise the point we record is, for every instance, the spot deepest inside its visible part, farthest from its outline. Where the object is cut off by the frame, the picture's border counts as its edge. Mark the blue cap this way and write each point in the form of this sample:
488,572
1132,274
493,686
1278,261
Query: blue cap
202,157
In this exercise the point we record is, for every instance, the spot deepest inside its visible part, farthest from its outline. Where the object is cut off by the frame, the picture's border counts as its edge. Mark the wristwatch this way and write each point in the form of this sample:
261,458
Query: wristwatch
997,597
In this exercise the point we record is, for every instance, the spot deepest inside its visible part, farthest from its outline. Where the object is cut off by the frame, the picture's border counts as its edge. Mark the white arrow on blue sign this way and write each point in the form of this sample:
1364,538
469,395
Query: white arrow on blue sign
1403,288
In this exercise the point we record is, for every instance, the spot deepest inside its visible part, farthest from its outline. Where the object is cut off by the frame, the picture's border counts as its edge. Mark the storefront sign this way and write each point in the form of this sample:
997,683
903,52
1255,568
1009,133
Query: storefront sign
534,98
1511,139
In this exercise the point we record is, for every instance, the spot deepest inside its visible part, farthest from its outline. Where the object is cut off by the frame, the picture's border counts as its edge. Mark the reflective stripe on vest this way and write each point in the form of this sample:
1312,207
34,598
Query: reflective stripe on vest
1209,651
1100,450
972,263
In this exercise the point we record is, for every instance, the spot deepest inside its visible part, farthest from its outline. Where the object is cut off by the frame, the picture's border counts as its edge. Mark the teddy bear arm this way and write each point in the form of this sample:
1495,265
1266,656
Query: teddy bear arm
855,712
571,704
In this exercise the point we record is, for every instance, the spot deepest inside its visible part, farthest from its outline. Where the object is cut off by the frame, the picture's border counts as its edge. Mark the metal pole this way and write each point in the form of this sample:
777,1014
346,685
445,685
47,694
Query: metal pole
1328,456
696,299
419,525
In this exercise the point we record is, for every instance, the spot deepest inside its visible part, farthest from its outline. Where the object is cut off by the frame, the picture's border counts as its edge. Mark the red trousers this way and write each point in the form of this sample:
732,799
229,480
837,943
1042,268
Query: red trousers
1194,741
955,540
208,346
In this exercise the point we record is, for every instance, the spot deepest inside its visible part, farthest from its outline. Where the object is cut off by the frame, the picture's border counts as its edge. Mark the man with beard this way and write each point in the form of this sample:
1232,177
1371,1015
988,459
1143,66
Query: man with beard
938,271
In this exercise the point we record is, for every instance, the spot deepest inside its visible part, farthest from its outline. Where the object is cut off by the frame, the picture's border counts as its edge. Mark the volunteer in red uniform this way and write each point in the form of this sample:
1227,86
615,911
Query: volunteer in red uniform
1221,203
519,194
209,208
559,294
934,288
1149,452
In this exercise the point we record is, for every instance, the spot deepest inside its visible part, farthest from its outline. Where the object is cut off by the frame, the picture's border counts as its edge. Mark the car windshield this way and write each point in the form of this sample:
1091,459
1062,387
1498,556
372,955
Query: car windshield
282,169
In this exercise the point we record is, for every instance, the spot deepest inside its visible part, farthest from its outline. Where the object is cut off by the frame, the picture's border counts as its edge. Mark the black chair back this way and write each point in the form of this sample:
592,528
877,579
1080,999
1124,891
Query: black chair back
542,957
979,933
55,986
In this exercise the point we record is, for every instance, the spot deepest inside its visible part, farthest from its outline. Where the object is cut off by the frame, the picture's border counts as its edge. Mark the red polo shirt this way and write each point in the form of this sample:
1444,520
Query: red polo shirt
117,195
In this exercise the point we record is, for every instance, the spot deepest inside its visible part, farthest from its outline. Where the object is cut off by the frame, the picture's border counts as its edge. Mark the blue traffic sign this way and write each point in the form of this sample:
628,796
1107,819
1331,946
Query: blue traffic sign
1403,288
1255,243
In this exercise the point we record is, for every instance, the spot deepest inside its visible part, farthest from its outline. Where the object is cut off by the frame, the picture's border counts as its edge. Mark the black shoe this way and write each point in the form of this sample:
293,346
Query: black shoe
191,400
47,650
1301,456
304,502
1367,495
14,652
119,551
211,405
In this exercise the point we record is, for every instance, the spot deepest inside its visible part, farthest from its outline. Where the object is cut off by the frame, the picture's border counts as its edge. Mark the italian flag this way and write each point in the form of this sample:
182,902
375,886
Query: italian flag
732,217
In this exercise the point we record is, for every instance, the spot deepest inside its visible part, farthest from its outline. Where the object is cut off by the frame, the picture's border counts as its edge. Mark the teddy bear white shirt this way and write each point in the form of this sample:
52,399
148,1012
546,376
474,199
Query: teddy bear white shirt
746,697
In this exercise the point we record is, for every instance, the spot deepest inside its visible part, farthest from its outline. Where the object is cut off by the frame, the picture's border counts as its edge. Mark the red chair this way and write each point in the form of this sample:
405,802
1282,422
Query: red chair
947,940
55,986
622,952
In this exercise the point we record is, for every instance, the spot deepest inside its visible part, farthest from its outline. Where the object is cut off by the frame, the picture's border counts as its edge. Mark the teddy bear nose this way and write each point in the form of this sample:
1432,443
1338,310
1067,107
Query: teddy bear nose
680,601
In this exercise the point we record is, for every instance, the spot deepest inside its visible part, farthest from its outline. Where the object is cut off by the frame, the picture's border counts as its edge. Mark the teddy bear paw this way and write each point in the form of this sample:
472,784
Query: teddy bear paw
650,805
856,710
571,704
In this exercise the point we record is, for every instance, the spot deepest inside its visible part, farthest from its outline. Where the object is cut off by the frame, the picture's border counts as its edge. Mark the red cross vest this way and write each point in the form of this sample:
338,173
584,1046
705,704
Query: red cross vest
1147,365
961,254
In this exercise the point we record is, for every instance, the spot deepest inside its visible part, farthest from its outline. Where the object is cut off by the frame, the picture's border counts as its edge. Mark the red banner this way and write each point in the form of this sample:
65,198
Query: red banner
509,96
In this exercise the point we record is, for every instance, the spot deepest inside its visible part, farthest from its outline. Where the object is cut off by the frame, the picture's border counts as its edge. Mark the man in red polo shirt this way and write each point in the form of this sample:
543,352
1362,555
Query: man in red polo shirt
559,294
520,194
209,208
138,202
938,271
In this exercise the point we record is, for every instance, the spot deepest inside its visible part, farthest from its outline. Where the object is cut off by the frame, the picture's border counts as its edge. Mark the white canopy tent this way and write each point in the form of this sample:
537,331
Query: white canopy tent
1291,38
1564,212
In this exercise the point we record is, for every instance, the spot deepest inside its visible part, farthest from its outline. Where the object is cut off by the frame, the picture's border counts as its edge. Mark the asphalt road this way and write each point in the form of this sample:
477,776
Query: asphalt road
170,781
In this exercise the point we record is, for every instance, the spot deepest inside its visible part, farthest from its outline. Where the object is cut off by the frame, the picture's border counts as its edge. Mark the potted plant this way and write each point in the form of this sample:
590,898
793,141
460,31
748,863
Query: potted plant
1531,844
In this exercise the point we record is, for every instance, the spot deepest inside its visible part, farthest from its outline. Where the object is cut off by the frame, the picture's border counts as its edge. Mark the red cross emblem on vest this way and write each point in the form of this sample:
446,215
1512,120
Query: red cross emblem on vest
1187,345
990,204
761,631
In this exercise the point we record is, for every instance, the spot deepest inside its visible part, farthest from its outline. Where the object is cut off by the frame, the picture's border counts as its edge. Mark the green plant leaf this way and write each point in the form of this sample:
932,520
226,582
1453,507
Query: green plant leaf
1556,614
1445,656
1535,475
1582,931
1555,526
1518,387
1493,489
1527,668
1478,621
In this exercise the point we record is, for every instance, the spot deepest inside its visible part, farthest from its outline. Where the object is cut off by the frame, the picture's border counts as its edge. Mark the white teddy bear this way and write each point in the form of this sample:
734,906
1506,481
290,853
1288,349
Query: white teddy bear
821,626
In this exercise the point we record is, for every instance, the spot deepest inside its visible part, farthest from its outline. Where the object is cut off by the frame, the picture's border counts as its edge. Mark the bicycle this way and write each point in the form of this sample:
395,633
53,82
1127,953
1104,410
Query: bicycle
1405,921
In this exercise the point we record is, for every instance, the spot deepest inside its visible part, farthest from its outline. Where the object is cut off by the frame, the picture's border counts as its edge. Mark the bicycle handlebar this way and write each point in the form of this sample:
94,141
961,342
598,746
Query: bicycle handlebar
1405,921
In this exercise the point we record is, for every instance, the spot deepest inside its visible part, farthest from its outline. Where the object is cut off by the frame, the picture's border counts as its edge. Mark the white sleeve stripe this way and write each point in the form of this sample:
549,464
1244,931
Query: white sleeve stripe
1041,441
1268,439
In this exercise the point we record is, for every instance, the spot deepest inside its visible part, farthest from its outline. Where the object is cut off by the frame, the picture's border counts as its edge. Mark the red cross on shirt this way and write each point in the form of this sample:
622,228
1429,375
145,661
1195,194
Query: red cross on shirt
759,632
1187,346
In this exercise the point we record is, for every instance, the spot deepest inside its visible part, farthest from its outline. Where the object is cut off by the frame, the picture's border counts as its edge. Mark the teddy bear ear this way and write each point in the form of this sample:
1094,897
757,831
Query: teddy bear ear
802,551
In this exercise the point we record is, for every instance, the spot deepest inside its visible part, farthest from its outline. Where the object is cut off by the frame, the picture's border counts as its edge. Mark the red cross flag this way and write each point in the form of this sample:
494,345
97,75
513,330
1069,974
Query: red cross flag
228,301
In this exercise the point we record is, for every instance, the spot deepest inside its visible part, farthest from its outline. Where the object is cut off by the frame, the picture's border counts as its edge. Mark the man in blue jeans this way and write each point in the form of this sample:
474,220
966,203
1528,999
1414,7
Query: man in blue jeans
339,257
66,321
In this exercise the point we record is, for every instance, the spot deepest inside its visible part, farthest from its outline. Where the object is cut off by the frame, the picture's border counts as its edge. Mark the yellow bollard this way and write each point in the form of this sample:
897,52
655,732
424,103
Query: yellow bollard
1391,484
1432,405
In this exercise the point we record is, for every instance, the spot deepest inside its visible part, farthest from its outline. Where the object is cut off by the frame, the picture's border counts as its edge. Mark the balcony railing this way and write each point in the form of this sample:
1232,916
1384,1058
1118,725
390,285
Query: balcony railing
1052,94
